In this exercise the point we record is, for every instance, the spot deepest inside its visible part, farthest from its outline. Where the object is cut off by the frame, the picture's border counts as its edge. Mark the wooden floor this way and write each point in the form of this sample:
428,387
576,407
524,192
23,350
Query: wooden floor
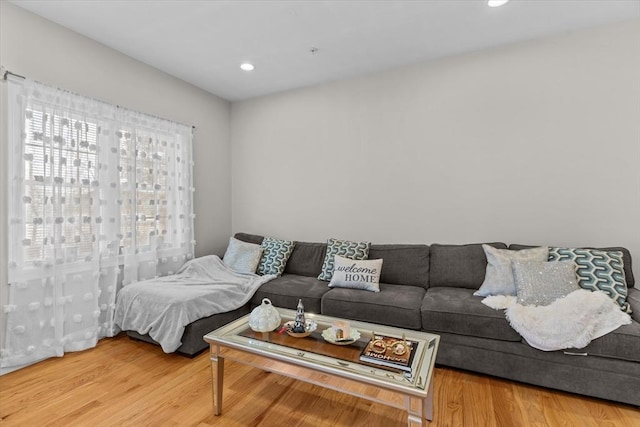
128,383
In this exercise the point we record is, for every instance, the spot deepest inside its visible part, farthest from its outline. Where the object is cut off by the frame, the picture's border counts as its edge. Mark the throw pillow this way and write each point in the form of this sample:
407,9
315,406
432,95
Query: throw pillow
275,256
541,283
344,248
348,273
498,279
597,270
242,257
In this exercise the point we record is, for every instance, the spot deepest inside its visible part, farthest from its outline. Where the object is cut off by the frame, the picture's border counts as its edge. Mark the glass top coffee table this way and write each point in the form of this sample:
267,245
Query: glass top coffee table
314,360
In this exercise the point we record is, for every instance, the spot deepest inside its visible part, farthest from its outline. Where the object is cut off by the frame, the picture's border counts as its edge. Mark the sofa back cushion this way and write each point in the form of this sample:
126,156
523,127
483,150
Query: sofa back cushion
306,259
249,238
626,259
459,266
403,264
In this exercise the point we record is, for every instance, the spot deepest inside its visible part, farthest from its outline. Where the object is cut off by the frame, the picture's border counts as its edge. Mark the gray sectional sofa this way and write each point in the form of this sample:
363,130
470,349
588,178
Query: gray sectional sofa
430,288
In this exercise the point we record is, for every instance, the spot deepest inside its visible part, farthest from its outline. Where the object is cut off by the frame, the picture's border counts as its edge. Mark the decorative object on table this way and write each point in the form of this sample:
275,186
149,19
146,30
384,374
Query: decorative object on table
310,327
391,352
300,323
264,318
341,329
329,336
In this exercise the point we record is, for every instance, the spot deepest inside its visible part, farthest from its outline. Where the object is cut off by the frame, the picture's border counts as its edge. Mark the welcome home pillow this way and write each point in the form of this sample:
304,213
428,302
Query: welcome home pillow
343,248
242,257
348,273
275,256
597,271
498,279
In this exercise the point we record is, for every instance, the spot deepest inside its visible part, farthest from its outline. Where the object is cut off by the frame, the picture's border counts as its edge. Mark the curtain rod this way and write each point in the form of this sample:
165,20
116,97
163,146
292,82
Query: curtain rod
6,73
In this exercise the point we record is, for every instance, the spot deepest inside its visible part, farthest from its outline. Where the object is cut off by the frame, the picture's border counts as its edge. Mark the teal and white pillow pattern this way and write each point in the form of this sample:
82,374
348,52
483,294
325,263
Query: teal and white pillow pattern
242,257
275,256
344,248
597,270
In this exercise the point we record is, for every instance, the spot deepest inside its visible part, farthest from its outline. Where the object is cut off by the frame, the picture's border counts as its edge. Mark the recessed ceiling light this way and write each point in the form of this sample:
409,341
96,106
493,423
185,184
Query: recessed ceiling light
496,3
245,66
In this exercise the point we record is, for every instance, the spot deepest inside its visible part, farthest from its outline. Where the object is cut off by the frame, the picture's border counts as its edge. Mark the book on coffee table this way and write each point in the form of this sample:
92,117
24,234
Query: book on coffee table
391,352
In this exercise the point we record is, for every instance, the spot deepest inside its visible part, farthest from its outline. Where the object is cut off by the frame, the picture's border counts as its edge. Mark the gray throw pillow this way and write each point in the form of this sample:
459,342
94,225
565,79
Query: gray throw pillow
541,283
498,279
242,257
348,273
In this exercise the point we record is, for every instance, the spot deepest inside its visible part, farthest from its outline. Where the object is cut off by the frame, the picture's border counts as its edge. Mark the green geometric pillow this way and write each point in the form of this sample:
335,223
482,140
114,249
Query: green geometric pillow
344,248
275,256
597,270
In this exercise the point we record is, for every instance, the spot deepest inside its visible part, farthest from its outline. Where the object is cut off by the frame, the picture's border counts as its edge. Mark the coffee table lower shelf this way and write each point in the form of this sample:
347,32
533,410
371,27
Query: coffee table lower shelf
419,407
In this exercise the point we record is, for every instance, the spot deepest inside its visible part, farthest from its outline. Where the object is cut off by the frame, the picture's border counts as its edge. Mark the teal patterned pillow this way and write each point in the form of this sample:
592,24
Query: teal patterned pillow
344,248
275,256
597,270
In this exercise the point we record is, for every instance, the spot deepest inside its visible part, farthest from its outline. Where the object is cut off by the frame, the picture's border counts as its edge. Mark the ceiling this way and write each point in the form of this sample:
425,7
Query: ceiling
204,42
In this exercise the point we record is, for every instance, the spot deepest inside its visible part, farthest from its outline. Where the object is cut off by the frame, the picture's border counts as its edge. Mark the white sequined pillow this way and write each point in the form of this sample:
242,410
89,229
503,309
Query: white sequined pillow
242,257
541,283
498,279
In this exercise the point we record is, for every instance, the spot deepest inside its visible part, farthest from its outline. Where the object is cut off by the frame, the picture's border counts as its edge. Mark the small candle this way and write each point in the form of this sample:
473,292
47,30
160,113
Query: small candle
341,329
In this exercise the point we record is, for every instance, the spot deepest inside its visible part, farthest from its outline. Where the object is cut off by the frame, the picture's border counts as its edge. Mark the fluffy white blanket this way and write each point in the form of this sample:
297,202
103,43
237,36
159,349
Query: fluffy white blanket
202,287
569,322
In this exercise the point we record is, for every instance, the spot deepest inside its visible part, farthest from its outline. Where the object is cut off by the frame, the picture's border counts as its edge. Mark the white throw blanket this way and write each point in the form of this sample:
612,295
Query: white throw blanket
569,322
202,287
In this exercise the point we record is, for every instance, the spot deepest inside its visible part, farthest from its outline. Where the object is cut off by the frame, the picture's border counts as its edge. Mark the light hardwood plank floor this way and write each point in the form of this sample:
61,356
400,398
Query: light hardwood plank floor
127,383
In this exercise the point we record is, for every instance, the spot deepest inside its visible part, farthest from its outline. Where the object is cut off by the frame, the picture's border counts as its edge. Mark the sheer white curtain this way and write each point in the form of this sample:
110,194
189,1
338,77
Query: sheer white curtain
98,196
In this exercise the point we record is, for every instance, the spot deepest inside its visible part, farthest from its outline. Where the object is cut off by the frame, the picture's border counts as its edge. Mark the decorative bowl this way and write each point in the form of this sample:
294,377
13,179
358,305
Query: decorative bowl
310,327
264,318
329,336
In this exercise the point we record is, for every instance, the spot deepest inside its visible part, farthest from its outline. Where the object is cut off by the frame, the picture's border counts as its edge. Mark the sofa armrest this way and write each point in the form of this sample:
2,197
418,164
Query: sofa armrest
633,297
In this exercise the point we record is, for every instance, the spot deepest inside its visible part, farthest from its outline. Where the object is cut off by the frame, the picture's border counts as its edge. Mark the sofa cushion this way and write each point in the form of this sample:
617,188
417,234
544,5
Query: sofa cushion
306,259
249,238
623,343
460,266
626,259
288,288
394,305
403,264
458,311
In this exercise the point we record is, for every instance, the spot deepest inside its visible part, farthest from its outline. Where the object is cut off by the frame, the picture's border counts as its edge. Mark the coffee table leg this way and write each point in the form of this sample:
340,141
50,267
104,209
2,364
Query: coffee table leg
428,402
420,410
217,376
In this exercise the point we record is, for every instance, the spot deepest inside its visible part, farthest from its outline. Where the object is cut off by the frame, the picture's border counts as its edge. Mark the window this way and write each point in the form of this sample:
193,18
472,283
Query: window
98,197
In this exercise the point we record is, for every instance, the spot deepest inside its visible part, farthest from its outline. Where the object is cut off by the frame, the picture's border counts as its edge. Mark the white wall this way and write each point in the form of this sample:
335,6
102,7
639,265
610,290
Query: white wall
47,52
534,143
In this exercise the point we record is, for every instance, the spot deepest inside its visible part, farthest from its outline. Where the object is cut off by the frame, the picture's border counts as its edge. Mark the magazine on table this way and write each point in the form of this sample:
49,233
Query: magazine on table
392,352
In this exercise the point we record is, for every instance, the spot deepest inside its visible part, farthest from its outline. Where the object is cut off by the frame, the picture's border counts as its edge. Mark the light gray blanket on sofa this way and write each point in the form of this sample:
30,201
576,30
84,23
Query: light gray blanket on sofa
202,287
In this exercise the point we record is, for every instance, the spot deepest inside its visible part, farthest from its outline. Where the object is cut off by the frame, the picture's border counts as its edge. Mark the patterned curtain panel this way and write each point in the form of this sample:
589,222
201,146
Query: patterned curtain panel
98,197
